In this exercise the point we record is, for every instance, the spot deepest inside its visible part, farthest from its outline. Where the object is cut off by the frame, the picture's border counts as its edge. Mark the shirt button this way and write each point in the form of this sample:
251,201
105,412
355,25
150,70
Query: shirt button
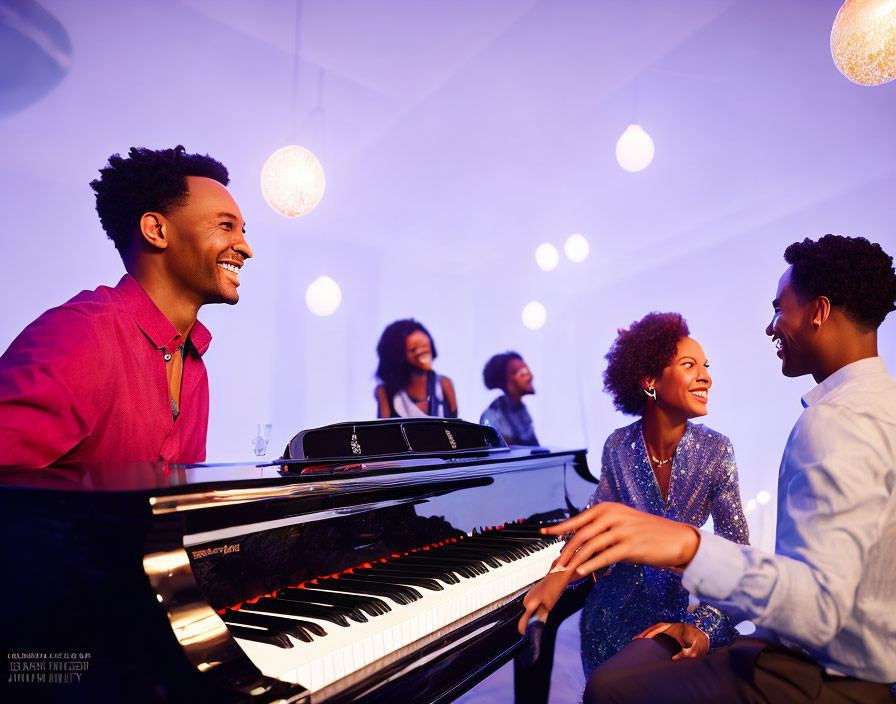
167,357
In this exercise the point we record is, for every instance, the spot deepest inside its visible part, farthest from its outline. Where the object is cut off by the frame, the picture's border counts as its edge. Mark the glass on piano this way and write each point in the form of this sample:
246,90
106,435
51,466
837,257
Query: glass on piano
261,440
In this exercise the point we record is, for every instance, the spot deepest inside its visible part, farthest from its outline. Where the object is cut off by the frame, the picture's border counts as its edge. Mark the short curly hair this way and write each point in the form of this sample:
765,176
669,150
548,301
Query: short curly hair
494,374
853,273
393,368
641,352
147,181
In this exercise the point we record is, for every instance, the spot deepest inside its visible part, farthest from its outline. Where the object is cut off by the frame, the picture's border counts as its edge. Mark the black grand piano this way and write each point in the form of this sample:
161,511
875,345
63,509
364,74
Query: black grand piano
381,561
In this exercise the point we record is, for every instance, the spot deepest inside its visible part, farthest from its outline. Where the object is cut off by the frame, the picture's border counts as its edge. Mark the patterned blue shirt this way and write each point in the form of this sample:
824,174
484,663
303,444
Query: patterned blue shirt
511,419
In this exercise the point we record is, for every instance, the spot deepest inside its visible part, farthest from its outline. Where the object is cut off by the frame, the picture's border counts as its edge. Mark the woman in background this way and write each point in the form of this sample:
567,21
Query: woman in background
665,465
409,387
507,413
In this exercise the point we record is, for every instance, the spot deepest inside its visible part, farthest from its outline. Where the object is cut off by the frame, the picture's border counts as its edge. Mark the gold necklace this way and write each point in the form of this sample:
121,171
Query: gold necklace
657,462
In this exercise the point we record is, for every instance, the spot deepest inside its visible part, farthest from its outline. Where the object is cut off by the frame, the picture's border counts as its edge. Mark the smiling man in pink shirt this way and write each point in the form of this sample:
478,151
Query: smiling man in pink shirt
116,374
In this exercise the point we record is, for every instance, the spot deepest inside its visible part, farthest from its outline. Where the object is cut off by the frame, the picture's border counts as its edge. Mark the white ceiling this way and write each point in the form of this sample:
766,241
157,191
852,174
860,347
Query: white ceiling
473,126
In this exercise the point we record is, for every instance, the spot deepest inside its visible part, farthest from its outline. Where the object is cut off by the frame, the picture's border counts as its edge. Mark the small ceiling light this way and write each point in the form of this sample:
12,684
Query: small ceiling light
863,41
547,257
763,497
576,248
323,296
534,315
634,150
751,506
292,181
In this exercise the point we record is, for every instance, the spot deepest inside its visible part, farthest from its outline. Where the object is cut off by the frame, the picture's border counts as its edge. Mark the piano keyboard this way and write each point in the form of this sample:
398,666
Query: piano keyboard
339,629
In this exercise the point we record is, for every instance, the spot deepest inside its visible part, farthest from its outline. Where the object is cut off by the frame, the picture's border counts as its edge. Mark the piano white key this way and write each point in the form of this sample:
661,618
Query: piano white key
346,650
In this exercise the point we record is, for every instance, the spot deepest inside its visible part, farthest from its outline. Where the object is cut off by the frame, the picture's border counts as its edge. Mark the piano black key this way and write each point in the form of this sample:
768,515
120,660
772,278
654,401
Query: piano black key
398,578
488,548
261,635
480,556
511,535
538,543
371,605
439,573
465,568
525,530
300,630
334,614
529,535
395,592
495,554
519,551
515,534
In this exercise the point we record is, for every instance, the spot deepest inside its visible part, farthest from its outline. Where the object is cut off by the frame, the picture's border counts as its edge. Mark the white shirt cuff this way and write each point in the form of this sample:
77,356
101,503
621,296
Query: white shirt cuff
717,568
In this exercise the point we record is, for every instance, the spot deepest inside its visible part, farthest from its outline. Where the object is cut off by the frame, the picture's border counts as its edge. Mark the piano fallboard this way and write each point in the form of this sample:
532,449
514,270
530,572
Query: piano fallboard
139,566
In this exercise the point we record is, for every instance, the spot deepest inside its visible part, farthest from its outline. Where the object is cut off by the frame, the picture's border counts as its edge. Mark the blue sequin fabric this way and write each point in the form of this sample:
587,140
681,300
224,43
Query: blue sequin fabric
630,598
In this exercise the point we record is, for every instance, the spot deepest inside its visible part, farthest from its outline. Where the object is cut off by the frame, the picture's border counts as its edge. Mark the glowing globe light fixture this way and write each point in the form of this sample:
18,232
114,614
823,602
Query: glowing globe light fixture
534,315
292,181
763,497
323,296
634,150
863,41
576,248
547,257
751,506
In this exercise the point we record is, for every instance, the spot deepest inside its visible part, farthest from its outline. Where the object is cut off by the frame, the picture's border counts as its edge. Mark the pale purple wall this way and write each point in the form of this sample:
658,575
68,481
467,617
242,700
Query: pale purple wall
456,137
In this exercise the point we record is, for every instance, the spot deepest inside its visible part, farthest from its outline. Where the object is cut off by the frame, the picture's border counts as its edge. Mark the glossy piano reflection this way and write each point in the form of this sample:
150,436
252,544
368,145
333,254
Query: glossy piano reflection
382,579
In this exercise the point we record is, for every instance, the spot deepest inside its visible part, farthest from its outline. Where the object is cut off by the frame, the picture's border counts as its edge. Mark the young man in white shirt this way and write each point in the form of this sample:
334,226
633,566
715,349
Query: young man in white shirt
825,602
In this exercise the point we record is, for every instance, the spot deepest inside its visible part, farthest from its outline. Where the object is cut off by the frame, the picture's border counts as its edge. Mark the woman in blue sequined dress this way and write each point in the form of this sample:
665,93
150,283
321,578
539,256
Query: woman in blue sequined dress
665,465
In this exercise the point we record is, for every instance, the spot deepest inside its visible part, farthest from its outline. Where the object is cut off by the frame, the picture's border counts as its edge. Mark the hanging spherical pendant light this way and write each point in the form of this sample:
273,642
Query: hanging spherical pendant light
323,296
863,41
634,150
547,257
576,248
292,181
534,315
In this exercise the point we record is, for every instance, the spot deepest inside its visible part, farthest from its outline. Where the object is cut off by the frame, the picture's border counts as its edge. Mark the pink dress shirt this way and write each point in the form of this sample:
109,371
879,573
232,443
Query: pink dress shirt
86,382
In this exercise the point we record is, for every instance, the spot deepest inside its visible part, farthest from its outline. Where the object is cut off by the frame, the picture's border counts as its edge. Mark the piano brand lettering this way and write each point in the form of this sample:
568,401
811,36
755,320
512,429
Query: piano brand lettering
220,550
47,668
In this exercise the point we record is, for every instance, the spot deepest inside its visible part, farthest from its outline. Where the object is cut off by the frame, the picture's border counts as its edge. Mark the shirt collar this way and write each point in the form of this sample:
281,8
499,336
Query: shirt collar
160,331
510,403
864,367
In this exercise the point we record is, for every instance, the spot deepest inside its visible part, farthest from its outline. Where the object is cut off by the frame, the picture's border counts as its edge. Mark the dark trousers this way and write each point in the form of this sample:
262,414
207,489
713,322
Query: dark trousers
748,671
532,676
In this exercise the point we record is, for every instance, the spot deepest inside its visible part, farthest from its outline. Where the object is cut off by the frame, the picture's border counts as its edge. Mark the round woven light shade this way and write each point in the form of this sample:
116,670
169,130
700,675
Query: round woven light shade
292,181
863,41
